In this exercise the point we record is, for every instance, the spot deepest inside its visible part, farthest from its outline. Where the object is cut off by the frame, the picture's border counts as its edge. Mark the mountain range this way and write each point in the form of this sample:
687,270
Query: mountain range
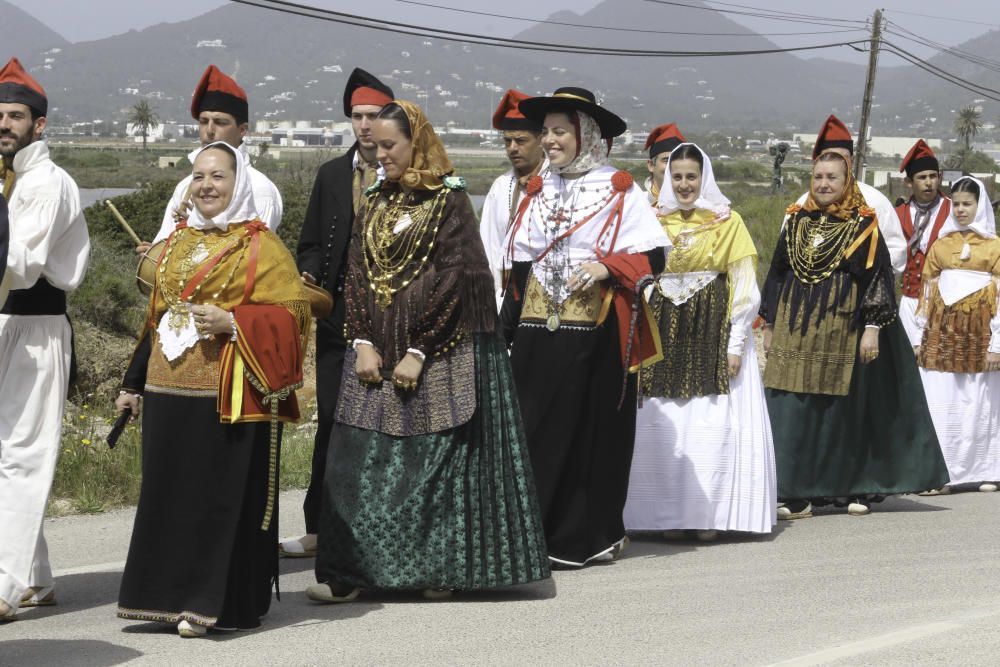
294,68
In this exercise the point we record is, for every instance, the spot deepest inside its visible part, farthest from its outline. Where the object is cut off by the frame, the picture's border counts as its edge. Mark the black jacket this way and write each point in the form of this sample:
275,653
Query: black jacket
326,230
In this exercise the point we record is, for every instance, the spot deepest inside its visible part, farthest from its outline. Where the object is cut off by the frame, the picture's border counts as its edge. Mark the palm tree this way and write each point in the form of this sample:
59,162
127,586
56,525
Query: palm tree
967,126
143,118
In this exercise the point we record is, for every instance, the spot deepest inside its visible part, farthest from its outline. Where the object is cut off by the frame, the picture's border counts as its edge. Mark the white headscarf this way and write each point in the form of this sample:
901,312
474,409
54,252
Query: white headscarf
710,198
241,207
591,149
983,224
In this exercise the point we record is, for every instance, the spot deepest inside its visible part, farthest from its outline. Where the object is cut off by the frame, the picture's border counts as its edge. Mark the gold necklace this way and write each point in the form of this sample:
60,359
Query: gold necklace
394,232
182,271
817,246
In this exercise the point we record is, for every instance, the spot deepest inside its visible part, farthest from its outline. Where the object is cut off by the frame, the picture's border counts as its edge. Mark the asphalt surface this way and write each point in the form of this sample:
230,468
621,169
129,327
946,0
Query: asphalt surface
914,583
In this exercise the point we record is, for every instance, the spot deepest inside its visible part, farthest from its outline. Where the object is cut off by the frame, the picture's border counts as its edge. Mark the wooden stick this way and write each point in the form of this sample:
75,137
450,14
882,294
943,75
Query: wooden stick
121,221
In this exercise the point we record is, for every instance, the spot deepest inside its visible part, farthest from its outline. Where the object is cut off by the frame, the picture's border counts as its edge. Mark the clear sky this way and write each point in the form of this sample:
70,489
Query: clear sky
954,22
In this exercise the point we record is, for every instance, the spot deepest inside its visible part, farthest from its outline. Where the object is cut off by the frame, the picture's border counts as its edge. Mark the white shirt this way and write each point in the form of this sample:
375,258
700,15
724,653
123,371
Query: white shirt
266,198
48,233
888,224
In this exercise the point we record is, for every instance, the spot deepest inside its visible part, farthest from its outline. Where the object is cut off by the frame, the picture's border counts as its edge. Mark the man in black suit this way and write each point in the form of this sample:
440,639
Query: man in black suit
322,259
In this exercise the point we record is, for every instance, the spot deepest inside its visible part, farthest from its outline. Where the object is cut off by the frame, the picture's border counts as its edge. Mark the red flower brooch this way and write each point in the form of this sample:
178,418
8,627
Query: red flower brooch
622,180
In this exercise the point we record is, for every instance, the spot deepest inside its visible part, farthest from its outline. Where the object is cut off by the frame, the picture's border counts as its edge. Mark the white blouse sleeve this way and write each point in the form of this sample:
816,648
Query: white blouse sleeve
746,301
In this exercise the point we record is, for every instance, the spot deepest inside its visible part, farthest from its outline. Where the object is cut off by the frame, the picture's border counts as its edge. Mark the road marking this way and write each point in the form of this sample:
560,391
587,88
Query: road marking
887,640
115,566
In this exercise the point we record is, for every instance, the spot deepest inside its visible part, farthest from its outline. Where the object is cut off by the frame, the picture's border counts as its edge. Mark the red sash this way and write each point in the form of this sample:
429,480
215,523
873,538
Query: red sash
915,261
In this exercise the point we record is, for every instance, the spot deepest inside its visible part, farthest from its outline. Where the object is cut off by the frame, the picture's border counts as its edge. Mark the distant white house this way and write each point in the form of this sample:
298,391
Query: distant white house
210,44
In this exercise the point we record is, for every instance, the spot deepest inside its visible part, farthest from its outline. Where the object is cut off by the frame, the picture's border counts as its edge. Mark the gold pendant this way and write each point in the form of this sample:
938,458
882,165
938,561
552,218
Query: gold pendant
383,297
178,318
553,322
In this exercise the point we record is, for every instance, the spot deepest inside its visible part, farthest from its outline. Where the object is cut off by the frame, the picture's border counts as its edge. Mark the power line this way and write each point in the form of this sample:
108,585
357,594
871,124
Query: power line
629,30
768,14
982,61
971,86
946,18
485,40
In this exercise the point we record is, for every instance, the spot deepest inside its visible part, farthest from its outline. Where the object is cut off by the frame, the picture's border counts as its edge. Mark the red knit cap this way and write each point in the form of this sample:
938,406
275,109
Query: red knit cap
663,139
18,87
508,117
218,92
833,134
920,158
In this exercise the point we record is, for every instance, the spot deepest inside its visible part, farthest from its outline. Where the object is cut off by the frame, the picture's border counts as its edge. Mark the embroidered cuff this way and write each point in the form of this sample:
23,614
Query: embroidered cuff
417,353
361,341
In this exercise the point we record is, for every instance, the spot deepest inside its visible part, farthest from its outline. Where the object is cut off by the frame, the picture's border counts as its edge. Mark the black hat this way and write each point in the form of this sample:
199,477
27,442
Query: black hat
218,92
18,87
364,88
574,99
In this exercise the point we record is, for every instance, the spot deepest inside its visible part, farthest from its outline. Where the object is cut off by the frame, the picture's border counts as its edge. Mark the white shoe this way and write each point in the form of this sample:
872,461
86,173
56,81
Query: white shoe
786,514
437,593
858,509
707,535
987,487
7,613
325,593
943,491
190,630
302,547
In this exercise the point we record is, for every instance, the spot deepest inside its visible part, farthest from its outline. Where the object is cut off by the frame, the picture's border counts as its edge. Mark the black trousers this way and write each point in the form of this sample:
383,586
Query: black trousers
330,347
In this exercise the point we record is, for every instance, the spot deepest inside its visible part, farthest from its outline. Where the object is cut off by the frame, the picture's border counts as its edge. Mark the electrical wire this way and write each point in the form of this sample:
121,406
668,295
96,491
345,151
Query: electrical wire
945,18
768,14
628,30
971,86
981,61
484,40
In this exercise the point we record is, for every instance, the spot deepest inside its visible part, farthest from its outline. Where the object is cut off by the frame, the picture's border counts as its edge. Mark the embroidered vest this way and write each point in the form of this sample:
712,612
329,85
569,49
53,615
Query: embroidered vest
915,261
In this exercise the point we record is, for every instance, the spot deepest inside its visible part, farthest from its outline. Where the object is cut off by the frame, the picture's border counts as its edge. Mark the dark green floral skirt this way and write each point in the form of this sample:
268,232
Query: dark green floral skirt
877,440
455,509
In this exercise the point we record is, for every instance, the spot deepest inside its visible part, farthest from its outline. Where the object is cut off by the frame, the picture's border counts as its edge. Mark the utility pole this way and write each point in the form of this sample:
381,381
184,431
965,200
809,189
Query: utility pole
866,104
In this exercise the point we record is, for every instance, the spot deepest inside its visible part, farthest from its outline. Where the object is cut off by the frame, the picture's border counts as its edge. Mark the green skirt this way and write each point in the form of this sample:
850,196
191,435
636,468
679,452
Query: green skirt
455,509
877,440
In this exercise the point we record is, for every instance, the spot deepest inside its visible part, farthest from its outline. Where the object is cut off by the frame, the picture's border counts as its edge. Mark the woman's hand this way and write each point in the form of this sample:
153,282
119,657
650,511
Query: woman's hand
735,361
210,320
588,274
768,334
128,402
368,364
992,361
407,371
869,345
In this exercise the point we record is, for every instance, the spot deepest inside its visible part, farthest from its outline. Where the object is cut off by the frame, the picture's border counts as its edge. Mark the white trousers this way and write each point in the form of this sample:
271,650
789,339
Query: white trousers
34,376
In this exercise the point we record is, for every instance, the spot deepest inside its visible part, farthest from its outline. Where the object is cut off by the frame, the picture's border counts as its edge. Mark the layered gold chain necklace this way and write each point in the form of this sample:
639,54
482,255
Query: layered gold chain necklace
394,235
175,274
817,246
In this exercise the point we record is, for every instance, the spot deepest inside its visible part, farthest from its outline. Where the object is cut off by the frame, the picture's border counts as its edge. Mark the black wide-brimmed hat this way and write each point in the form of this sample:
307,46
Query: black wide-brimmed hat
573,99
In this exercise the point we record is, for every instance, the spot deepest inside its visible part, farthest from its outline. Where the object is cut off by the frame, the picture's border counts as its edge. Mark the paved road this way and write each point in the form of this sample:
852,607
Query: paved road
915,583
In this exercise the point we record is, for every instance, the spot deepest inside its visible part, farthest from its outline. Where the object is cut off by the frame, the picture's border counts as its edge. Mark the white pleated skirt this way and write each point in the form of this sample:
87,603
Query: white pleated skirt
965,408
707,462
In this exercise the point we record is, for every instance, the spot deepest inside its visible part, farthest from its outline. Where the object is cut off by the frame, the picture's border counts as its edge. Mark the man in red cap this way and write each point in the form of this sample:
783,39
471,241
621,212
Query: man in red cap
220,106
660,143
47,254
522,142
322,259
834,136
921,219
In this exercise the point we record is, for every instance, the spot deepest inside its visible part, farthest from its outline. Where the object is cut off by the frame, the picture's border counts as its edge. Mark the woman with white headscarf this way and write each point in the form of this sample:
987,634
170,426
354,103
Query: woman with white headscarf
704,459
218,359
582,241
959,354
